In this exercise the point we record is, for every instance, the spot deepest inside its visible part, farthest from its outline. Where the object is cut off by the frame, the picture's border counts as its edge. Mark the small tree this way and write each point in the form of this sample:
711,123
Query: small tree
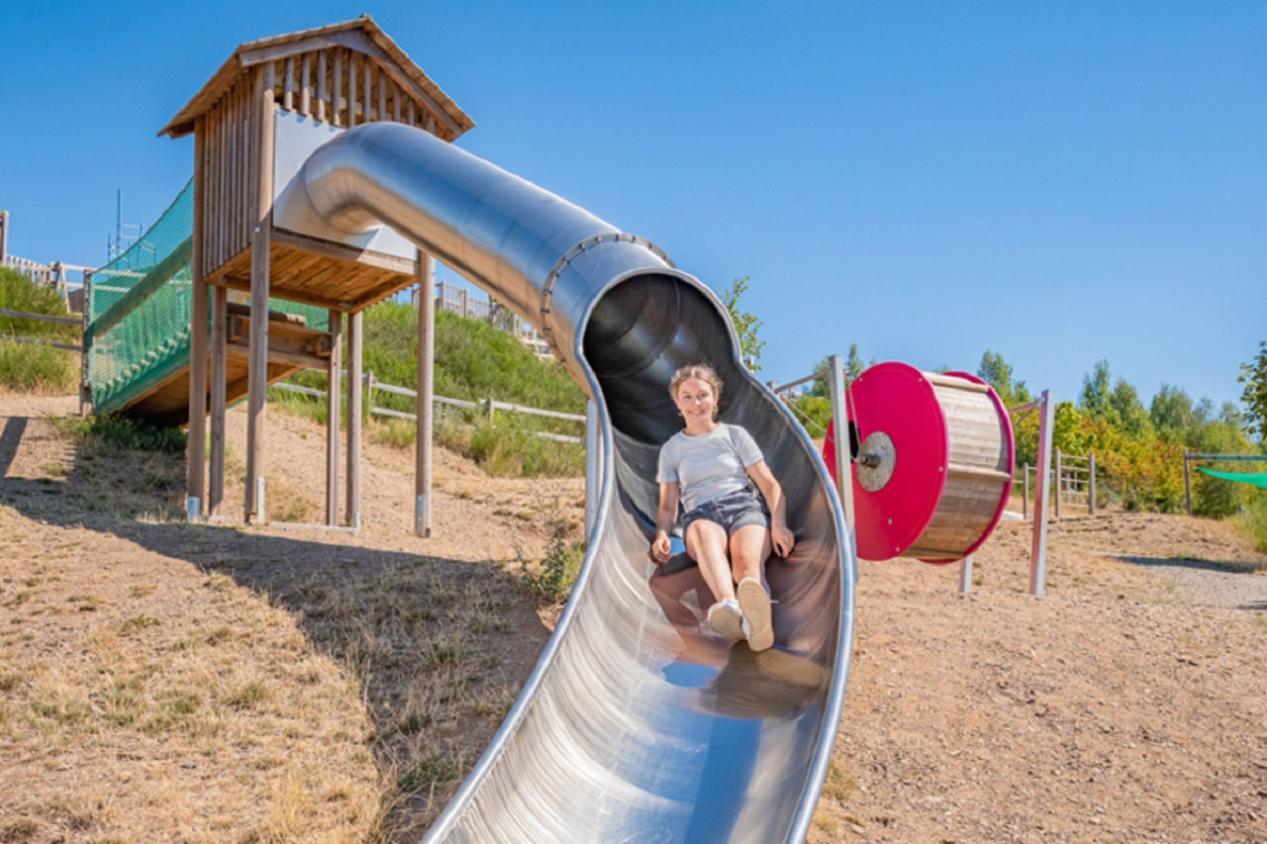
1254,397
998,373
746,324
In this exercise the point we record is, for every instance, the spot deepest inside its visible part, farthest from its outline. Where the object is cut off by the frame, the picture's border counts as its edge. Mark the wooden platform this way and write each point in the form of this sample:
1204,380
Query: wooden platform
292,346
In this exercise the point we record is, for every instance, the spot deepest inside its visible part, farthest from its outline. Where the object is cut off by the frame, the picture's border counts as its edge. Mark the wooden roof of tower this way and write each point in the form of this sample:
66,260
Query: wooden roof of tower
362,35
323,75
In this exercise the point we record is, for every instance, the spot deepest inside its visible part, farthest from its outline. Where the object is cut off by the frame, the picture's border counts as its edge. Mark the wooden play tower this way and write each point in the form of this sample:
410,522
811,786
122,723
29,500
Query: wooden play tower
331,78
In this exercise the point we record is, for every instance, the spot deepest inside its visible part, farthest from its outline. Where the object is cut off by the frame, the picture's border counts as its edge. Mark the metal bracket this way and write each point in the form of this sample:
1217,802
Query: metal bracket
547,290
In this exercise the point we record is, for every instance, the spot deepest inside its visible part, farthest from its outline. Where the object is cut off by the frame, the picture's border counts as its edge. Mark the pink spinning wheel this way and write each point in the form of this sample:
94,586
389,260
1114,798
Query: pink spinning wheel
934,462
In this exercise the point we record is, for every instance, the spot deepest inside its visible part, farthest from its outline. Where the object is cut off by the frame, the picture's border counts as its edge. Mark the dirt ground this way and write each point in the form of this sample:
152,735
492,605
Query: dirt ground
164,682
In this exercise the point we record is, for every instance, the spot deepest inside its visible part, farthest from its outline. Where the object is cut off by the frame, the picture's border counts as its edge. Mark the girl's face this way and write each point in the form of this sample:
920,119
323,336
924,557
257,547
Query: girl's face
695,400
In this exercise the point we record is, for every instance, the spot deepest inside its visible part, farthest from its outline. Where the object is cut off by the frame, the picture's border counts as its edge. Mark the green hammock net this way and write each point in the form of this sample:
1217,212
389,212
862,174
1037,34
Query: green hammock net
1258,479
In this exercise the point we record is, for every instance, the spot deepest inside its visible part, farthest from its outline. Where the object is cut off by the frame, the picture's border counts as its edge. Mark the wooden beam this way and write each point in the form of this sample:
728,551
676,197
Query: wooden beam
233,282
355,360
305,86
425,406
288,357
195,450
260,246
333,374
380,260
219,393
321,87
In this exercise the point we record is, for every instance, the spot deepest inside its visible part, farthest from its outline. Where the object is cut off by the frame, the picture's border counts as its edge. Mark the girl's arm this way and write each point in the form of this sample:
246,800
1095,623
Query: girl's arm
780,537
666,516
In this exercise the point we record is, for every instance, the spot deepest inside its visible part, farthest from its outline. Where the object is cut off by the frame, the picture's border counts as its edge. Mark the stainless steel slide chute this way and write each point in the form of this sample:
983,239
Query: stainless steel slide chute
637,724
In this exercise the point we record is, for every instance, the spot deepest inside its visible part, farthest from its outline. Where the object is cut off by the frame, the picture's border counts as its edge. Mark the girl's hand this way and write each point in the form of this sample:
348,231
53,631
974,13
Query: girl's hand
661,550
782,540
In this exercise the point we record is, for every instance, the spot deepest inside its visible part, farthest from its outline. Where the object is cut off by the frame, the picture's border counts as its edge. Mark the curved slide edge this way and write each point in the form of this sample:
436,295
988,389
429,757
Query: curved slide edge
637,724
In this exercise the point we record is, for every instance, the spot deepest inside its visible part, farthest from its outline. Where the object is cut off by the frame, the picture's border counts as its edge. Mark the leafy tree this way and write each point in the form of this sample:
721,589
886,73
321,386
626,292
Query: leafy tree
1096,391
746,324
1171,410
821,386
1254,396
1129,409
998,372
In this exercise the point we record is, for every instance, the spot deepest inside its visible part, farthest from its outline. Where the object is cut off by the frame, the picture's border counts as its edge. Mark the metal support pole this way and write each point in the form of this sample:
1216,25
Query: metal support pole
356,338
425,407
965,575
844,468
4,236
1091,483
593,465
334,389
1038,550
1187,484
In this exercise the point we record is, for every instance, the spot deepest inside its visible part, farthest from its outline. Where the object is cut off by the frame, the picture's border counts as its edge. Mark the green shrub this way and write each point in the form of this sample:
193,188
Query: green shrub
120,433
37,368
19,293
552,579
1252,521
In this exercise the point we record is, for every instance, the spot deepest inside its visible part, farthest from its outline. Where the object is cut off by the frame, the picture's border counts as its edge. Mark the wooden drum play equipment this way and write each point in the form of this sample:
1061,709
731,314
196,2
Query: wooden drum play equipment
934,457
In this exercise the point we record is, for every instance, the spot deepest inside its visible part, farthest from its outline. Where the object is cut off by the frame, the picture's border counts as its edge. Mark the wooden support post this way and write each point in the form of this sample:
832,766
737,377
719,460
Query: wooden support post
219,390
1060,482
464,303
426,395
333,412
355,359
1187,484
1091,483
85,370
4,236
195,450
261,242
1025,495
844,459
1038,549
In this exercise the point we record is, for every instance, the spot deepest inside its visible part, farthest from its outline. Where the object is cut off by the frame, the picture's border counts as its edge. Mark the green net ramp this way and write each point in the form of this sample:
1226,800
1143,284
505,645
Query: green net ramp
1258,479
139,311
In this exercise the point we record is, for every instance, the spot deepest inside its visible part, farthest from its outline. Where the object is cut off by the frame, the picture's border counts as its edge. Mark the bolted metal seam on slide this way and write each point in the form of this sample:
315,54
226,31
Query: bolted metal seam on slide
636,724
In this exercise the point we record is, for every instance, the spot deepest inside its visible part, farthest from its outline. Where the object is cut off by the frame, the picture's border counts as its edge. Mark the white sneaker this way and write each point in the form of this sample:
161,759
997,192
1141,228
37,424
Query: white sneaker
726,618
758,625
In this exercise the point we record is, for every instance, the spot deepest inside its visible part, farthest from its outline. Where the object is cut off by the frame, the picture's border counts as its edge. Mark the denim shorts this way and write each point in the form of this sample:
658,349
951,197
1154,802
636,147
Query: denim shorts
732,511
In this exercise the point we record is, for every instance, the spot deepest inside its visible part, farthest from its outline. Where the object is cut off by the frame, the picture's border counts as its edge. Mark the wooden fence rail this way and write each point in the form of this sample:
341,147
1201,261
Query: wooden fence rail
488,406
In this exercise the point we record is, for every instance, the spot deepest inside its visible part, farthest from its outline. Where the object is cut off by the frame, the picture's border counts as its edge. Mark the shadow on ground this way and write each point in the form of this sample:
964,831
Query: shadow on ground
466,633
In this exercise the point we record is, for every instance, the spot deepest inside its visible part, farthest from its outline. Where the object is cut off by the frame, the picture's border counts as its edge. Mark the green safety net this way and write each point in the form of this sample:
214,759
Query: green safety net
1258,479
139,311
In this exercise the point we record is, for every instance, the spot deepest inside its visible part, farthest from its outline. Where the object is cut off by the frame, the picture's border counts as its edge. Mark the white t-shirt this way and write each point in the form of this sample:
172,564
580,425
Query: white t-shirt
708,466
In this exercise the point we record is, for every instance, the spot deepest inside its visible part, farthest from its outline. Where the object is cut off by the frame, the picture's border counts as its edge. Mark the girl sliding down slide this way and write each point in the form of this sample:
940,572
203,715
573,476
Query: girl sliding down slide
729,530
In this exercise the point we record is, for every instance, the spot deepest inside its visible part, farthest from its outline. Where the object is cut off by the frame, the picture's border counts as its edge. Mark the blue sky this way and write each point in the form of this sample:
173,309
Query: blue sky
1061,183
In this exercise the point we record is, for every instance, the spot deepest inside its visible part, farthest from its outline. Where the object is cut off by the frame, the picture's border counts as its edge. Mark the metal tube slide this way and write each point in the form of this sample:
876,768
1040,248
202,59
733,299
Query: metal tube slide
637,723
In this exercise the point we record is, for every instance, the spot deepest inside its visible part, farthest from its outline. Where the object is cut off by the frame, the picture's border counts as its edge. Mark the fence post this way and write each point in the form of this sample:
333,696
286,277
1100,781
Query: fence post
4,236
464,303
1038,549
1187,484
1025,495
491,407
1091,483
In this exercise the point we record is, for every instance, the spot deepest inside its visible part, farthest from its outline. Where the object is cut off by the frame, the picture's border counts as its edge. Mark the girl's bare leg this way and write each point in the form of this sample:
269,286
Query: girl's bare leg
706,543
749,549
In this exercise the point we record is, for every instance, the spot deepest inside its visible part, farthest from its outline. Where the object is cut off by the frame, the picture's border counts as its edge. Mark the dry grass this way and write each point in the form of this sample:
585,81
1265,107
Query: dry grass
166,681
